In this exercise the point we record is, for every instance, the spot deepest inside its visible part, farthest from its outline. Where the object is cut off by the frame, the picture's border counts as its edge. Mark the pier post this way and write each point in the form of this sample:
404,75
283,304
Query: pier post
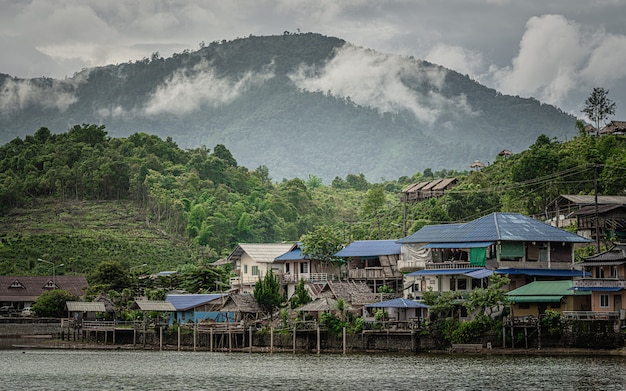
160,338
195,336
272,340
250,337
211,342
318,340
294,339
178,335
344,340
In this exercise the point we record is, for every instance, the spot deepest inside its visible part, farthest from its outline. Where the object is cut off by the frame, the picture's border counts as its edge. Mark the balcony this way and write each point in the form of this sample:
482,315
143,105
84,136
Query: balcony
411,265
368,273
600,283
447,265
308,277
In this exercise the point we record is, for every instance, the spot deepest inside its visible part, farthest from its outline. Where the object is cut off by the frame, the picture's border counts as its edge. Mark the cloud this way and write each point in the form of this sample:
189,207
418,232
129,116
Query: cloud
190,90
460,59
558,57
384,82
18,94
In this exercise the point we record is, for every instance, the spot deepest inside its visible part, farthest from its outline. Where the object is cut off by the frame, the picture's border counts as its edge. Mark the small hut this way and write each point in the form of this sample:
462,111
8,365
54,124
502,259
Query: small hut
402,309
241,308
477,164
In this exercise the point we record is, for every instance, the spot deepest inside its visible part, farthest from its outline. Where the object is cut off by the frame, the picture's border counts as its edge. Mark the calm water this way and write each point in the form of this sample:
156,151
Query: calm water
147,370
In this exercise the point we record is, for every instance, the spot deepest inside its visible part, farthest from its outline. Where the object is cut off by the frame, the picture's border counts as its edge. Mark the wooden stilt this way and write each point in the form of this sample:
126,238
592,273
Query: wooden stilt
160,338
294,339
272,340
319,345
178,335
344,340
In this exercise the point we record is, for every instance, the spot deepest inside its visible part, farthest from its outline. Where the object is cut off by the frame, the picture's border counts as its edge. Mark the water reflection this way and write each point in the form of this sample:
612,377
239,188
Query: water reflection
145,370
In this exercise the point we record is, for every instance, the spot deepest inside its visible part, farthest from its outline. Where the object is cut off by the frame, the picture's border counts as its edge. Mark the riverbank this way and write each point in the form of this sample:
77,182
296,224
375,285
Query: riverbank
550,351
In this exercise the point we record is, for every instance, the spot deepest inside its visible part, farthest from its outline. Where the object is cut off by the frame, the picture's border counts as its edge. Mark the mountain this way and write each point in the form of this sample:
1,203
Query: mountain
299,104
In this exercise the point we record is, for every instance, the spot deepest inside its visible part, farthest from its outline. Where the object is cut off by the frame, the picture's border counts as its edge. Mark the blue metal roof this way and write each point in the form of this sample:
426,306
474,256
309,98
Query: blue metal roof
444,272
185,302
294,255
494,227
397,303
459,245
597,288
369,248
482,273
543,272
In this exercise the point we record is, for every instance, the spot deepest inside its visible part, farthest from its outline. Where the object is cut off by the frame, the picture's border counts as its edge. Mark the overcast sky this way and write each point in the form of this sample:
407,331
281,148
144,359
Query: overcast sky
555,51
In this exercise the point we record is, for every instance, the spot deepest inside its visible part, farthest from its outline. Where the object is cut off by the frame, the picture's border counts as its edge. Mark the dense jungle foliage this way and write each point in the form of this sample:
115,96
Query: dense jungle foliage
83,197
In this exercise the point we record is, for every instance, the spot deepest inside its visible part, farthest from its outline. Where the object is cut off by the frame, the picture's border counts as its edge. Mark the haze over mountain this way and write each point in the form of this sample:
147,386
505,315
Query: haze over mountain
299,104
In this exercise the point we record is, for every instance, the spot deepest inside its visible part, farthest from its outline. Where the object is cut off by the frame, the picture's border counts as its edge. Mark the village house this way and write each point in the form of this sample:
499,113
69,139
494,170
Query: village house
535,298
297,266
460,257
252,261
606,282
18,292
374,262
603,215
196,308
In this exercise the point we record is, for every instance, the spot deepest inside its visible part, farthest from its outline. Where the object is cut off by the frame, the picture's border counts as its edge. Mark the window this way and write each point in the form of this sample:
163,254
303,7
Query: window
255,270
245,269
599,272
524,306
304,267
555,305
462,284
613,271
604,301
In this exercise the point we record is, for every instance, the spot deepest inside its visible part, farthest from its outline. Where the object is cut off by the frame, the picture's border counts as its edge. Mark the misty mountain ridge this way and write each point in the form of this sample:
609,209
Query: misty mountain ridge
299,104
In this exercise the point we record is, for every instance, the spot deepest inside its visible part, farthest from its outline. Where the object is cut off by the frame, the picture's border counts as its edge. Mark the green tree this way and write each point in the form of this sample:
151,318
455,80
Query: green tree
267,293
300,296
110,275
322,244
373,204
52,303
485,300
598,107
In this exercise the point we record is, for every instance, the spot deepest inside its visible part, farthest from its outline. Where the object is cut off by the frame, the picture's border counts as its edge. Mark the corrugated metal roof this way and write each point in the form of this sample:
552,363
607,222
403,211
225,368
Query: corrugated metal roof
535,299
591,200
153,305
442,272
543,272
188,301
397,303
597,288
459,245
495,227
260,252
293,255
482,273
365,248
544,288
85,306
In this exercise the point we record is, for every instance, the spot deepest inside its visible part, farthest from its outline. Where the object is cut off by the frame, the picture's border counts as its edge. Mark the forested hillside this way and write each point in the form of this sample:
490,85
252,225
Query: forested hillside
83,197
298,104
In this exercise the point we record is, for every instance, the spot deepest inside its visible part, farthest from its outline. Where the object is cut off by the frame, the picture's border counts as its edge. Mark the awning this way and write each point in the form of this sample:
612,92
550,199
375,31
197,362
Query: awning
479,273
458,245
440,272
543,272
536,299
601,263
597,288
470,272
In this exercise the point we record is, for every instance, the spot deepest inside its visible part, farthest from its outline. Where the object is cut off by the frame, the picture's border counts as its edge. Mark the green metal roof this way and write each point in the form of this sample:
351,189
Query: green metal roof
545,288
535,299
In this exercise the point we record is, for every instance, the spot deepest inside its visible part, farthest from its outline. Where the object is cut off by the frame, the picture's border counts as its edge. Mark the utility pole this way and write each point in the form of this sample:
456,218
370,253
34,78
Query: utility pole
595,192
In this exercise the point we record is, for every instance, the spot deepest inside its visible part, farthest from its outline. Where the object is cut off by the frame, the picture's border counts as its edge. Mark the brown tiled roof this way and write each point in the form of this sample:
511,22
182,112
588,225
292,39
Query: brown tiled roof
29,288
